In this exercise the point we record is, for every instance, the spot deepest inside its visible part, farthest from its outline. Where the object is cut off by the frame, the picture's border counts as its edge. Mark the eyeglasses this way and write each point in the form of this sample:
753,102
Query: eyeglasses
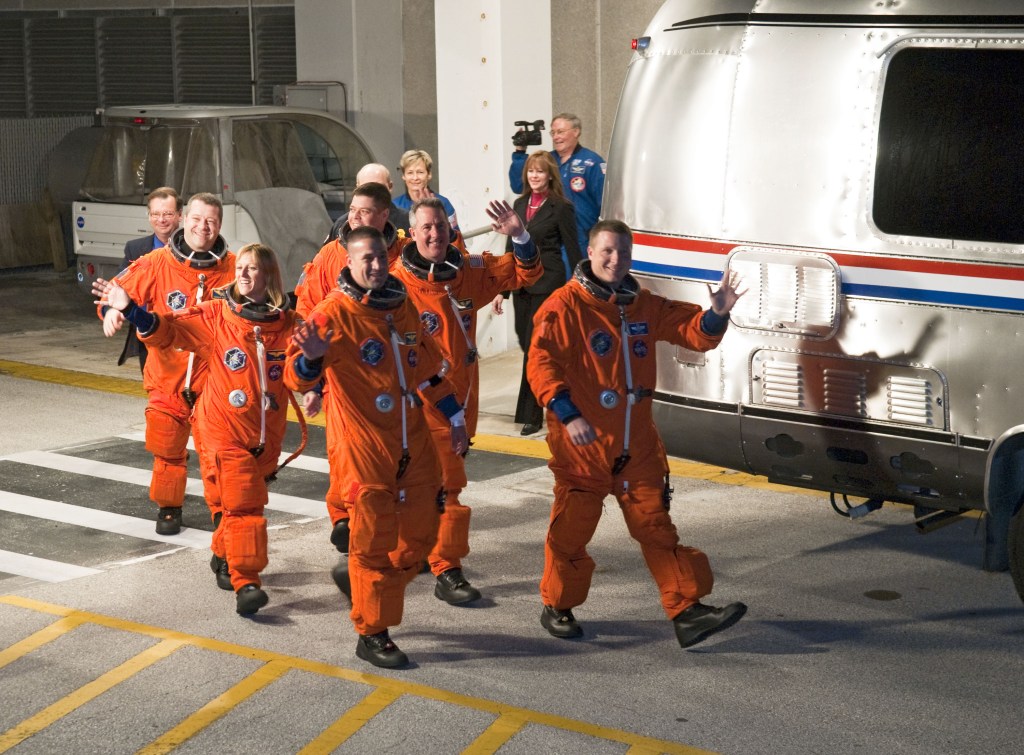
162,215
360,212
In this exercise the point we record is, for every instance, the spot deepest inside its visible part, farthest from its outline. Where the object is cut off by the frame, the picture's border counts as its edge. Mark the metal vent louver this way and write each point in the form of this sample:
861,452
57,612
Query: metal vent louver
788,292
783,384
910,400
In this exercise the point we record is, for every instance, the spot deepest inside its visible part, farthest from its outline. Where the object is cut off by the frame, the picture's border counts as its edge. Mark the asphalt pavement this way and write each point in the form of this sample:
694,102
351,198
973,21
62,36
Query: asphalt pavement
862,636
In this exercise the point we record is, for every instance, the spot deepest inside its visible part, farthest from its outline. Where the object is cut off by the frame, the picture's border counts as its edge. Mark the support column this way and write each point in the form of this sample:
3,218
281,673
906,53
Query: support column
360,45
493,68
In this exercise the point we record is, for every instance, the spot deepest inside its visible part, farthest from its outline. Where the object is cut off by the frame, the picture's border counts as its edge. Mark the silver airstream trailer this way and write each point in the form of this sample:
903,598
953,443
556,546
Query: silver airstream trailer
862,165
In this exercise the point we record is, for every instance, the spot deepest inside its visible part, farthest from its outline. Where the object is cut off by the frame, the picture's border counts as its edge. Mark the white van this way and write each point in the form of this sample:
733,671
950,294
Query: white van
861,164
281,172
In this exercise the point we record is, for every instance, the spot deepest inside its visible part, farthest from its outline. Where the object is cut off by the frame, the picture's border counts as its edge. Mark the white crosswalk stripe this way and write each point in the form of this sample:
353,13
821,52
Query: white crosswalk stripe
118,473
43,497
120,524
43,569
308,463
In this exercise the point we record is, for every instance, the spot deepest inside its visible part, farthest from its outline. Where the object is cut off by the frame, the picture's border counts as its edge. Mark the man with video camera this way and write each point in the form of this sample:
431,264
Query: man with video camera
582,169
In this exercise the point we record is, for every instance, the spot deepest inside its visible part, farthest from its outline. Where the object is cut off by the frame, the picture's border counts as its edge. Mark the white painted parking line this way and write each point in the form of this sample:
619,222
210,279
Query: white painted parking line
107,521
41,568
117,473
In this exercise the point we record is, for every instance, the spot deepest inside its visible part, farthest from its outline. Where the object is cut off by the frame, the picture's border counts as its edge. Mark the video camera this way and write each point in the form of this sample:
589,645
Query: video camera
530,133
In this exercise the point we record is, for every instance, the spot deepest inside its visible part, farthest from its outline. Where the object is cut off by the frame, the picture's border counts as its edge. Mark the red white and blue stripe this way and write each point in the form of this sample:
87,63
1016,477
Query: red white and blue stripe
921,281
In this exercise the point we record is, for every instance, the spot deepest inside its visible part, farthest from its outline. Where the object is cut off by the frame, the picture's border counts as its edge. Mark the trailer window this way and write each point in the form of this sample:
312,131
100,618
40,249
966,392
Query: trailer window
951,146
269,154
130,162
334,152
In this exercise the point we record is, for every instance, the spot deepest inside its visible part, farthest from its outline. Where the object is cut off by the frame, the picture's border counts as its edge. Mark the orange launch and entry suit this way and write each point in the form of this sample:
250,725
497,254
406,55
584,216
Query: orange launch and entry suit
448,295
165,281
239,419
320,277
378,367
593,355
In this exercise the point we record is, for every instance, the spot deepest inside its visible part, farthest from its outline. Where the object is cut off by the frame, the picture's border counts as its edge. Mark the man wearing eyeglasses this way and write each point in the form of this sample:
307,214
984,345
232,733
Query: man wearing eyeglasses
582,172
164,212
374,173
370,206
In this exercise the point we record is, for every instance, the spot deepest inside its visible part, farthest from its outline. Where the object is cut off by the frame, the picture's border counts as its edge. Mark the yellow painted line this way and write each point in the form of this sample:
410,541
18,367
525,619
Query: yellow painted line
536,449
216,708
40,638
387,686
83,695
500,444
495,736
357,716
124,386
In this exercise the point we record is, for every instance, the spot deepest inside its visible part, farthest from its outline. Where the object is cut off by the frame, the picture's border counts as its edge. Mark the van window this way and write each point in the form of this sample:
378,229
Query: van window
951,145
130,162
333,151
269,154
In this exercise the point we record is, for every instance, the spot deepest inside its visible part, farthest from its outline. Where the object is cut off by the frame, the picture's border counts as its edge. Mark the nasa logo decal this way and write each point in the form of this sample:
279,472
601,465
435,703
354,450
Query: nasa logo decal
431,322
274,373
412,359
235,359
467,321
640,348
371,351
600,342
578,183
176,300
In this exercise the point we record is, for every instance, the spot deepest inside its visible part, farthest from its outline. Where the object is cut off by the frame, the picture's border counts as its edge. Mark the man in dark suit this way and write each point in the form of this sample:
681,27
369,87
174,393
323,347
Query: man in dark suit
164,207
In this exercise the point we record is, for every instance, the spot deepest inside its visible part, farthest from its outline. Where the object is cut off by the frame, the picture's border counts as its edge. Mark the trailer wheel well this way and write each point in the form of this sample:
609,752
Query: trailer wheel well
1004,493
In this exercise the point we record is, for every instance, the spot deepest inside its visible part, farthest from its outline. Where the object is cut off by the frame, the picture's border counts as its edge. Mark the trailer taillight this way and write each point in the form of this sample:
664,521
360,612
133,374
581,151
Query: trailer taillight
641,43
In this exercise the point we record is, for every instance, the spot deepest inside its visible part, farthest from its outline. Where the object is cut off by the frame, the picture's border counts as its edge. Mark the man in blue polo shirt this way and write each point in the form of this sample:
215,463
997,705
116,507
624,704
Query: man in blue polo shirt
582,172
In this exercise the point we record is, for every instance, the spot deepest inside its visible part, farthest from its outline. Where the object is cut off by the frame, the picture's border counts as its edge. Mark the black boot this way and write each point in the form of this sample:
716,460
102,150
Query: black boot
452,587
698,622
168,521
340,535
560,624
379,650
220,568
249,599
341,578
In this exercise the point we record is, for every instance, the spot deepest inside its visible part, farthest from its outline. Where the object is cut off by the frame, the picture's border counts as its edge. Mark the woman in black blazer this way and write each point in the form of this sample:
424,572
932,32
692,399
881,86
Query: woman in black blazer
551,220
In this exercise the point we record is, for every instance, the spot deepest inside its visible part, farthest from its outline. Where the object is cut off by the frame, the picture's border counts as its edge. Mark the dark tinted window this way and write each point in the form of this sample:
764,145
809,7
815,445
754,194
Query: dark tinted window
951,146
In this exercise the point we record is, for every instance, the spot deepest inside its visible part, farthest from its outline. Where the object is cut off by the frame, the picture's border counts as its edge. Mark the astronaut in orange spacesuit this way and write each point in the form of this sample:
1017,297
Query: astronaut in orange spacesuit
370,206
366,339
171,279
242,333
448,288
593,364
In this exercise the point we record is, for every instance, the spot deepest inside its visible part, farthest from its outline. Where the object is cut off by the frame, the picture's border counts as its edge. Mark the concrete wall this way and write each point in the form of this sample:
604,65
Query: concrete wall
590,49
